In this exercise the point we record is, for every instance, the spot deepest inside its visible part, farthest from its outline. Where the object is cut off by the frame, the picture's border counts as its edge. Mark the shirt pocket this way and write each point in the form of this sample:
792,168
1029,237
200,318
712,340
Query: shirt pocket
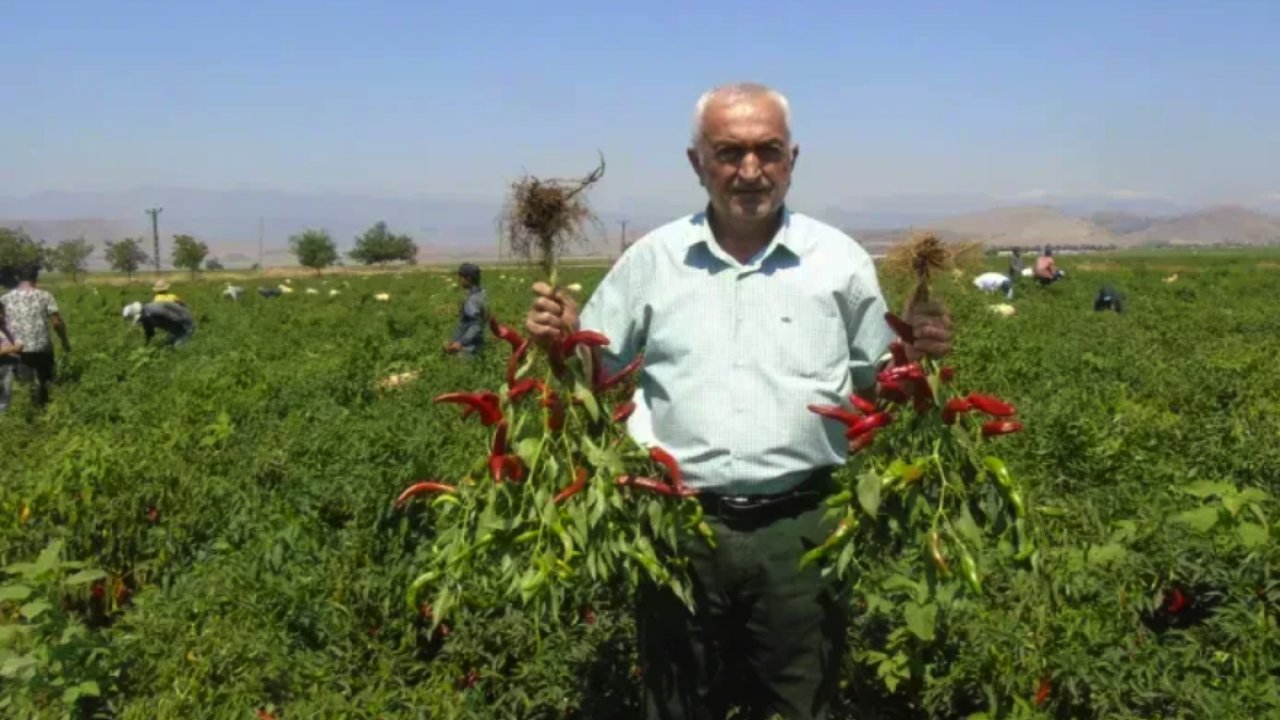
806,337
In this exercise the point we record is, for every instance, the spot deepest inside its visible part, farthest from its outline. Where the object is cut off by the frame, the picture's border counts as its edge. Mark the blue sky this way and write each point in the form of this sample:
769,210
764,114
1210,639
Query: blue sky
1014,99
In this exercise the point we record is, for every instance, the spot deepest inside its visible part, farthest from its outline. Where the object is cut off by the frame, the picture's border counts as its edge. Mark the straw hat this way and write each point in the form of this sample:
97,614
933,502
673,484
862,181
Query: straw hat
160,286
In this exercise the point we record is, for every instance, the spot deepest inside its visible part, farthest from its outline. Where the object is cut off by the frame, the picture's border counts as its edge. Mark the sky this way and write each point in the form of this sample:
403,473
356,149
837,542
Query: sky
454,99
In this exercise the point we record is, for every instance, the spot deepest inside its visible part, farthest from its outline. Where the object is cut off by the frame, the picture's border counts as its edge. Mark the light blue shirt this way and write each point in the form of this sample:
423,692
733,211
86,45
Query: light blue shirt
735,352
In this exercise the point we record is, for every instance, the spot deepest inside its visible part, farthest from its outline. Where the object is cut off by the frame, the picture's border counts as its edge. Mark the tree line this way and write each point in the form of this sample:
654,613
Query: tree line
314,249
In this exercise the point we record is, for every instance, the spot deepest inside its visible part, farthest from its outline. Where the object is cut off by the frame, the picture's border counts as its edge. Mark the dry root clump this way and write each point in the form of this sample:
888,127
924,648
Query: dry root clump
543,217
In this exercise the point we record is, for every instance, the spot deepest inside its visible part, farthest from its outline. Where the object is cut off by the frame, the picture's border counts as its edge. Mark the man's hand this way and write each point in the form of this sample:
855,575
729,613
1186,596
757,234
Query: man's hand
452,346
551,316
932,326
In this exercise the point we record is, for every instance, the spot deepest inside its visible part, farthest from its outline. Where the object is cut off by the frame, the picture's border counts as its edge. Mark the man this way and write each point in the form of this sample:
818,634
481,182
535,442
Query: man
746,313
31,311
173,318
994,281
163,294
1016,265
468,337
10,350
1046,271
1108,299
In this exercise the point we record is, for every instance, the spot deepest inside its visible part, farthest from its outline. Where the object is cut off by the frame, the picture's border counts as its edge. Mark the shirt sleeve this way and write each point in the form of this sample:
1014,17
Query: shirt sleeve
614,310
869,334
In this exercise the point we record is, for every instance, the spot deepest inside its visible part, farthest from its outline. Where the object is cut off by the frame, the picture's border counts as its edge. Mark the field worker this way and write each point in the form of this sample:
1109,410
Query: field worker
746,313
994,281
1108,299
473,318
31,312
173,318
10,349
1046,271
269,292
232,292
163,294
1016,265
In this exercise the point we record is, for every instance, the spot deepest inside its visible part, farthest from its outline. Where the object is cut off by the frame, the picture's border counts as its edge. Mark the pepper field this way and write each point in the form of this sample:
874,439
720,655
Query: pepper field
208,532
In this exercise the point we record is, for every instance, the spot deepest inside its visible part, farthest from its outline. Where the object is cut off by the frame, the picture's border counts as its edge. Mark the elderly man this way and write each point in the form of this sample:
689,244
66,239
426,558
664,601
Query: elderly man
746,313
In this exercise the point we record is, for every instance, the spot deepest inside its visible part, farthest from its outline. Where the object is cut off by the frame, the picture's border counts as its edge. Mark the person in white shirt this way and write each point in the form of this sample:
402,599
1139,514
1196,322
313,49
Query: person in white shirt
993,282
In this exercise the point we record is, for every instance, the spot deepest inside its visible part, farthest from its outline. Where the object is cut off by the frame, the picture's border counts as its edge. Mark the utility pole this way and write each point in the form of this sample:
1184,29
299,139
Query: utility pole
623,223
260,267
155,235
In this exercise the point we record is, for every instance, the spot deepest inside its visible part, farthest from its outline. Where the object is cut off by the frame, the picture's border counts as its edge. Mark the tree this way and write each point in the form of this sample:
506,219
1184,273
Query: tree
188,253
213,264
379,245
71,257
126,256
314,249
17,249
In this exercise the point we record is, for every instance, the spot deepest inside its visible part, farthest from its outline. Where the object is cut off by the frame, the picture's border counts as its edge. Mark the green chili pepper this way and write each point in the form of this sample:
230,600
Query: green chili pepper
970,571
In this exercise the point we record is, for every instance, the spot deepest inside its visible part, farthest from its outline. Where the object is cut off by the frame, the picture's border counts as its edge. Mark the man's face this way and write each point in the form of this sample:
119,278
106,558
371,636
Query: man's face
744,158
465,282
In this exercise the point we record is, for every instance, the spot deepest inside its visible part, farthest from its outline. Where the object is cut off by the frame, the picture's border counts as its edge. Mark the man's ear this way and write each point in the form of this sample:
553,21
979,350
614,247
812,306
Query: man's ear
696,163
795,155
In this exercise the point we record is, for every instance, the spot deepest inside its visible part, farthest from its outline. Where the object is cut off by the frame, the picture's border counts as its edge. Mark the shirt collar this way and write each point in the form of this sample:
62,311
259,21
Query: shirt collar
787,237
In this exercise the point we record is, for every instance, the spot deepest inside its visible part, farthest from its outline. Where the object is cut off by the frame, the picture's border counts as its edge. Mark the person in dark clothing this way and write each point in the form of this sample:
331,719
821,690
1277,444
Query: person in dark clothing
10,352
468,338
1016,265
1108,299
173,318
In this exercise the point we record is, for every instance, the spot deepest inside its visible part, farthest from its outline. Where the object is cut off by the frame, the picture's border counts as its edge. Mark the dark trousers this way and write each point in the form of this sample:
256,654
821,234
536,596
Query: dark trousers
37,365
767,637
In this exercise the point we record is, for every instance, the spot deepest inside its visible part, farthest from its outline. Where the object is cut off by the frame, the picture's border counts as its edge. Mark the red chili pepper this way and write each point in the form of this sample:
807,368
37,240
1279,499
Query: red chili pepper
522,388
867,424
953,407
590,338
910,371
992,406
589,615
654,486
153,514
506,467
97,590
991,428
922,404
664,458
500,440
947,374
573,488
426,486
1042,691
609,382
835,412
863,441
892,391
513,362
901,327
1177,601
862,404
469,680
555,409
485,404
264,714
623,411
122,594
505,333
899,352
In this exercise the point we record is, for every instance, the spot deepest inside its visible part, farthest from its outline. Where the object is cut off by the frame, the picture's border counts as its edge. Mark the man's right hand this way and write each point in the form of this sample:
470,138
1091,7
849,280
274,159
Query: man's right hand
551,316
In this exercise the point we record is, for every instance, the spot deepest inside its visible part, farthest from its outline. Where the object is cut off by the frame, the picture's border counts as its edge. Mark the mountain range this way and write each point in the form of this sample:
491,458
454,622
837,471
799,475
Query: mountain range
448,229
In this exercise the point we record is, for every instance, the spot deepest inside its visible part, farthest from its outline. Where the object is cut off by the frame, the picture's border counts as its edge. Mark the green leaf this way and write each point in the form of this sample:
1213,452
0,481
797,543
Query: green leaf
1106,554
14,592
84,577
15,665
966,527
35,609
921,620
1201,519
869,492
9,633
1252,535
48,558
1206,488
588,399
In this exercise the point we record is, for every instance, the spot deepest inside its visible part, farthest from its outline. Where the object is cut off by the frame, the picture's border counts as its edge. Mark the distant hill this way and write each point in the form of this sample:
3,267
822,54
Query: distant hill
1123,223
1220,225
1029,226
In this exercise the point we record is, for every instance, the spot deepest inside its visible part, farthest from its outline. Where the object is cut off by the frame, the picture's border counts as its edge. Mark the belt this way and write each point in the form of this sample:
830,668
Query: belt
763,508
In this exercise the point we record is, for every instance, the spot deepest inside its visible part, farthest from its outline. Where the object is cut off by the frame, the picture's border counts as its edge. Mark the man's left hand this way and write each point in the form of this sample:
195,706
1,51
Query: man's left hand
452,347
932,326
